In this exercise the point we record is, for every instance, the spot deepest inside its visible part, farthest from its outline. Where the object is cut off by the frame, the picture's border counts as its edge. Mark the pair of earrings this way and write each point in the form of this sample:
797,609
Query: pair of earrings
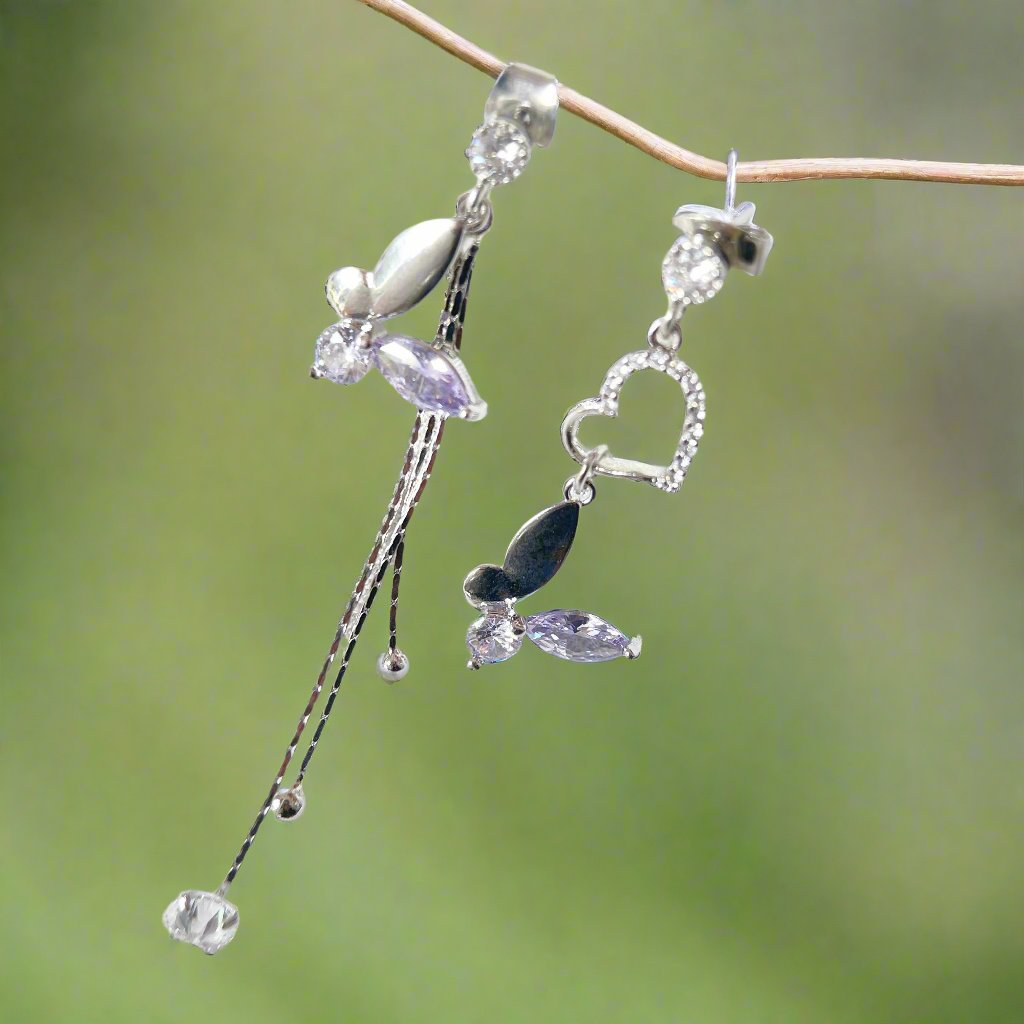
519,115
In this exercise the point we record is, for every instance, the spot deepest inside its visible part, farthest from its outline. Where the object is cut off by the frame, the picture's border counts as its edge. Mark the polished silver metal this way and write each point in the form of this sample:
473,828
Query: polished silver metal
413,264
350,292
408,270
581,495
580,488
289,803
730,180
668,478
475,210
393,665
667,331
528,97
533,557
743,244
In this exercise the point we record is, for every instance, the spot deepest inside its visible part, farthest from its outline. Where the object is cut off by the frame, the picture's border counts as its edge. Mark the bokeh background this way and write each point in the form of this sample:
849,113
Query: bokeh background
803,804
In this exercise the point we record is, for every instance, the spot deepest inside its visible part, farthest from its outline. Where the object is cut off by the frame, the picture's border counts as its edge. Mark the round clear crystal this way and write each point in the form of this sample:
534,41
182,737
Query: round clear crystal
341,354
495,638
203,919
693,271
498,152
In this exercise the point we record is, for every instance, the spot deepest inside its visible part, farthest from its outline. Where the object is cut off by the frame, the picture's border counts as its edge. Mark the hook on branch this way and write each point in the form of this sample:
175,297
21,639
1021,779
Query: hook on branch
648,142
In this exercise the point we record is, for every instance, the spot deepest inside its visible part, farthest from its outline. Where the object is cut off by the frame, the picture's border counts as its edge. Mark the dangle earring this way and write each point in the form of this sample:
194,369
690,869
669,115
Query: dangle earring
693,271
520,114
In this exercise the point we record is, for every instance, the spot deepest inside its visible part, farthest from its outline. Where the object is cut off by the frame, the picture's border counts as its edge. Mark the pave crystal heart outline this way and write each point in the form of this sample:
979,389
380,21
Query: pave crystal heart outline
666,478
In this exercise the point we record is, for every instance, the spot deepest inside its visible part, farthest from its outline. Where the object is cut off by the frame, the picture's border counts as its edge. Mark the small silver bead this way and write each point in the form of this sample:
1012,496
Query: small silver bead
289,803
392,665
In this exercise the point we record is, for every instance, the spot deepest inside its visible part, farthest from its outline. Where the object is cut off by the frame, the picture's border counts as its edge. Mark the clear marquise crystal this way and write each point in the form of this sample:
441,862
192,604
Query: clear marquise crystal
495,638
693,270
203,919
578,636
498,152
342,354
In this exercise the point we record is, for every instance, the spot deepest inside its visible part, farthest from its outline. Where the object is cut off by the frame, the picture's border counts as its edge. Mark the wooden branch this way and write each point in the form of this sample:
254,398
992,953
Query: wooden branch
704,167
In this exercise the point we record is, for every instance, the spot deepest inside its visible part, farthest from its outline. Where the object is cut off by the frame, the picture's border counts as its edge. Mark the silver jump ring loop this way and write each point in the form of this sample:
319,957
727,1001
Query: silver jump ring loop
666,333
580,487
730,180
475,210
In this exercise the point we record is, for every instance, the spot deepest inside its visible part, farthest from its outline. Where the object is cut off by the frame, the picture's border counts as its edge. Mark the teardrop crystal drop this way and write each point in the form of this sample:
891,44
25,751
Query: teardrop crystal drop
579,636
428,377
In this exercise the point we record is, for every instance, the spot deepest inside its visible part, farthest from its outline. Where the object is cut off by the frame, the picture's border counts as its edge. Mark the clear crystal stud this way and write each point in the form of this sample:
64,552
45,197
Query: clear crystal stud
392,665
342,354
494,638
289,803
203,919
498,152
693,270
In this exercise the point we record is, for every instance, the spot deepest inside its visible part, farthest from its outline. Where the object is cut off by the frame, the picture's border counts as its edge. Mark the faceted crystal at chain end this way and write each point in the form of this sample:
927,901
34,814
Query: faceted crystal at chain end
203,919
341,354
498,152
579,636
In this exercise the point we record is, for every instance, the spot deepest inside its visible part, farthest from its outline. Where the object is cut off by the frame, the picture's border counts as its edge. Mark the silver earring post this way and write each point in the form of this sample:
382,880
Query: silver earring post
730,181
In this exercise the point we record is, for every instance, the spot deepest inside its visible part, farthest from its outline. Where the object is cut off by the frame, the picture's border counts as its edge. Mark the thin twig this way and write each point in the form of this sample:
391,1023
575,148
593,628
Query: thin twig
704,167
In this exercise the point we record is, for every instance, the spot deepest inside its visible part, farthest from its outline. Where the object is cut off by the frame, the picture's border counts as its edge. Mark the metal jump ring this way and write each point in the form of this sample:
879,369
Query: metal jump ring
665,332
580,487
475,209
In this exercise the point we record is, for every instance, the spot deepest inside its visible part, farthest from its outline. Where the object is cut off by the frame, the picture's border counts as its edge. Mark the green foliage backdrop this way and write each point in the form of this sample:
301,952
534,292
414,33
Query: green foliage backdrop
804,802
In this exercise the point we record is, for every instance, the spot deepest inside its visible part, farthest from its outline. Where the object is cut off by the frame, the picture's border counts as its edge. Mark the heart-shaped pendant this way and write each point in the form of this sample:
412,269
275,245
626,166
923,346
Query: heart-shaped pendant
666,478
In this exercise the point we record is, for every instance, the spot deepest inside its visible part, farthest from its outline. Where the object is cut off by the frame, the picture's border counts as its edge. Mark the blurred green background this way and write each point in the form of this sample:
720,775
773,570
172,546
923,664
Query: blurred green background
803,804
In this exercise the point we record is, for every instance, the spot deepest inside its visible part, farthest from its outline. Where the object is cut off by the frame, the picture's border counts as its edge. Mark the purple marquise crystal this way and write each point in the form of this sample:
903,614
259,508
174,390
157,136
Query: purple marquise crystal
579,636
427,377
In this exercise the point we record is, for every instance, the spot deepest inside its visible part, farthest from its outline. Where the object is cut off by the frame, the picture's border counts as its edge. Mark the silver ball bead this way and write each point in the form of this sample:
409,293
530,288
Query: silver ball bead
289,803
392,665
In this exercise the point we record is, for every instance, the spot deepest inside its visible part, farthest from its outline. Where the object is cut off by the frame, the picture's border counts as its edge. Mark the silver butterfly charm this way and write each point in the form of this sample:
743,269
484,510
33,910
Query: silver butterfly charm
534,555
431,378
